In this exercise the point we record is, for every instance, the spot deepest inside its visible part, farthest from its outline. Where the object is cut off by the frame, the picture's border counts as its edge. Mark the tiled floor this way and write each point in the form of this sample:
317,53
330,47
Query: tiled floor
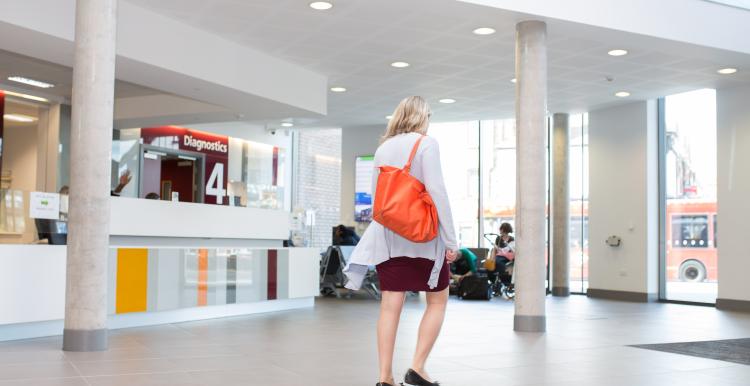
334,345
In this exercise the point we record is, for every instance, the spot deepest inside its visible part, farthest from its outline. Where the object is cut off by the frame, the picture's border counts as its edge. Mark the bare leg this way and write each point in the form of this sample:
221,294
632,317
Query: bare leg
390,312
429,329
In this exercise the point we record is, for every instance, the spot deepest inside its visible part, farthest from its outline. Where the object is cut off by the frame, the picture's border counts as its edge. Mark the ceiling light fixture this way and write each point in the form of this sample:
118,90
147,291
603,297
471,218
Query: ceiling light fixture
400,64
389,117
727,71
30,82
321,5
338,89
617,52
287,124
484,31
21,118
447,100
622,94
513,80
25,96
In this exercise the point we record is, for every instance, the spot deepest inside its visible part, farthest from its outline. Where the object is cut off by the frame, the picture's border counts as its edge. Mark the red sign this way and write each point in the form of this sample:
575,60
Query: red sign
214,147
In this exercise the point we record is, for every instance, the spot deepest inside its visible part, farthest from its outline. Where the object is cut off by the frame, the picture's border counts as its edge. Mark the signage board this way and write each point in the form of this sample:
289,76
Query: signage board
44,205
364,168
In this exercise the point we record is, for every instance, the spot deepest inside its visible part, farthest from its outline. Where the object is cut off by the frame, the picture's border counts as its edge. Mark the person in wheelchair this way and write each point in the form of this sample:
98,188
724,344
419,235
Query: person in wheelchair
504,252
499,263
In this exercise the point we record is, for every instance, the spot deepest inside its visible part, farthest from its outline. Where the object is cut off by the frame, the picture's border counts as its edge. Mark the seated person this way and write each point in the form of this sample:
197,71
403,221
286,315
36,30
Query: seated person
505,244
344,236
464,265
504,252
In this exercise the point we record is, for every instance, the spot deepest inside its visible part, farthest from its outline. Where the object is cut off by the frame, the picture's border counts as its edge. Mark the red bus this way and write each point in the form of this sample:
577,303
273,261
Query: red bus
691,241
690,237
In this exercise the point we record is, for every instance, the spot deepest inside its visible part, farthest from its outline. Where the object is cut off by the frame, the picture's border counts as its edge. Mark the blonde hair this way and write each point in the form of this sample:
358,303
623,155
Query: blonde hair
411,115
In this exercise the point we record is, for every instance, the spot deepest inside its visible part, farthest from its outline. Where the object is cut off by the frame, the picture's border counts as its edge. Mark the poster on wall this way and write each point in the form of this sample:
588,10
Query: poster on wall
44,205
214,147
364,168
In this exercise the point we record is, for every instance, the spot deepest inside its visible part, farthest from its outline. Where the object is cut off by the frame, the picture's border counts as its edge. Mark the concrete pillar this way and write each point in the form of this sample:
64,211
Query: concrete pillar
531,113
560,205
90,153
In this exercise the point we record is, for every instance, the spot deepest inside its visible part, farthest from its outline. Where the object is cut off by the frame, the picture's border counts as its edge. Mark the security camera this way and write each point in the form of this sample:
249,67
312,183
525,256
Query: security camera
272,131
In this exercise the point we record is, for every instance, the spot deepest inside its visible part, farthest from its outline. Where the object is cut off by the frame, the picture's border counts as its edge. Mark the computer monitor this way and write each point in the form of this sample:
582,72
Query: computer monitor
335,240
55,231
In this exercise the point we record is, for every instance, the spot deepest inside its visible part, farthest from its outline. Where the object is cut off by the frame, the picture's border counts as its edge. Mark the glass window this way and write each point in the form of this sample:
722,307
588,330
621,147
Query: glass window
579,200
689,231
688,135
459,152
498,176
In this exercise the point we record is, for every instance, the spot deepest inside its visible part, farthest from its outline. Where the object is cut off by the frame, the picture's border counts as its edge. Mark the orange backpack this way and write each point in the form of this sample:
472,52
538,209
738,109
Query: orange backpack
403,205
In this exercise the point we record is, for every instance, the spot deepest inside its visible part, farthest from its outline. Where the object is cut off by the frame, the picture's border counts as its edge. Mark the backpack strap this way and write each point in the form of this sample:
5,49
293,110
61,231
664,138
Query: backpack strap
407,167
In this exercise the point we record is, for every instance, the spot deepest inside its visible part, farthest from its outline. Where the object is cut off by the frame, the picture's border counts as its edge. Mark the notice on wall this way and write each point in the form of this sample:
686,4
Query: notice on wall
44,205
363,188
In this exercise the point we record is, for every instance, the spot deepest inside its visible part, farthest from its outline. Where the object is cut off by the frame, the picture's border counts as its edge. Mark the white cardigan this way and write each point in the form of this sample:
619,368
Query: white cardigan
378,243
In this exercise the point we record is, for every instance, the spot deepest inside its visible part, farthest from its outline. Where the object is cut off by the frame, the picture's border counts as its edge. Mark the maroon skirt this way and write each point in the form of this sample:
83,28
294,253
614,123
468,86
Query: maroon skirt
403,274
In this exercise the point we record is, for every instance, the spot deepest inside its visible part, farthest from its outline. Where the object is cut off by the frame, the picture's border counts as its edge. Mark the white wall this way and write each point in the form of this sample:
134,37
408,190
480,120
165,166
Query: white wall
733,129
622,198
355,141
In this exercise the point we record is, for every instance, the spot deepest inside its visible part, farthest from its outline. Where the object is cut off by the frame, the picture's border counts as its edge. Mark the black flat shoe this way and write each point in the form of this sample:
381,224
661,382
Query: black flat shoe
383,384
414,379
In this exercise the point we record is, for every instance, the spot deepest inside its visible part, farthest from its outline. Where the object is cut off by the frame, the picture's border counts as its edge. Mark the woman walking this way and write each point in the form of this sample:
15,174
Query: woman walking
405,265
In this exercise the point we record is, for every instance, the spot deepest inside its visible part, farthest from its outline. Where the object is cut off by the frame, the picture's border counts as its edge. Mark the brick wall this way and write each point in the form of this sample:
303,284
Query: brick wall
318,180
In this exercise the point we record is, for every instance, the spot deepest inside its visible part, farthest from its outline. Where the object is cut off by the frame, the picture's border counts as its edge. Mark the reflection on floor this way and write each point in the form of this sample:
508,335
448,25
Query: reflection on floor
334,345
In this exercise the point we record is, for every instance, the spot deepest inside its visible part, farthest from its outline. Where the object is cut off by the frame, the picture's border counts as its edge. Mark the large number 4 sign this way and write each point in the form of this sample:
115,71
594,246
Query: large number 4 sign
215,184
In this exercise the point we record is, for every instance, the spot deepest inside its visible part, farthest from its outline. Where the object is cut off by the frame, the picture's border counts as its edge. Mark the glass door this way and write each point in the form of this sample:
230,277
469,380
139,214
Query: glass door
689,257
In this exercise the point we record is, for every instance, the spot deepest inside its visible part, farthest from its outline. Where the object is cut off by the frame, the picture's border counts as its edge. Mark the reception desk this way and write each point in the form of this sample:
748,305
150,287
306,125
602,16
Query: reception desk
168,262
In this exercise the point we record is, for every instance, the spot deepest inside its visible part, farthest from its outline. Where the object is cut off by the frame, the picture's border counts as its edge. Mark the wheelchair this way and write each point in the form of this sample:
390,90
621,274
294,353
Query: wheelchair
502,277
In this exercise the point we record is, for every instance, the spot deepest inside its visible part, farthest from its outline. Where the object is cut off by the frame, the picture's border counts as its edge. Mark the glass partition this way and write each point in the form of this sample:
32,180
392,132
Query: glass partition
179,164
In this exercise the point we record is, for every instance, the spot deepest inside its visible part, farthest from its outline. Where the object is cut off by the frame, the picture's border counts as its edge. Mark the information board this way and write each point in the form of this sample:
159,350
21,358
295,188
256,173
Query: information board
364,167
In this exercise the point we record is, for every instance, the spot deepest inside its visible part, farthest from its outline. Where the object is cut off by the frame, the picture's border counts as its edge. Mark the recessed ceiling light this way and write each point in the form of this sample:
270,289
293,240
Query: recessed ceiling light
618,52
727,71
622,94
31,82
447,100
287,124
389,117
484,31
321,5
26,96
338,89
400,64
20,118
513,80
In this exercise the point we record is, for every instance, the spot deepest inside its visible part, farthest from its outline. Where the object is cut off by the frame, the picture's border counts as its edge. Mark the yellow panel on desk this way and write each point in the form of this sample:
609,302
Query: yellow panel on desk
132,280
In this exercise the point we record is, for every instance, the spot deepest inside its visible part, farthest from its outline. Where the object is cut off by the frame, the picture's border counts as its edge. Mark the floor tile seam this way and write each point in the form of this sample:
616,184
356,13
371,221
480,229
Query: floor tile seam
160,358
34,363
26,379
135,373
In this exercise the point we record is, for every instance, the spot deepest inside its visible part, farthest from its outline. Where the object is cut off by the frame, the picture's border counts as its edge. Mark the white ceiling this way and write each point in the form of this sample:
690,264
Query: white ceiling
60,76
354,43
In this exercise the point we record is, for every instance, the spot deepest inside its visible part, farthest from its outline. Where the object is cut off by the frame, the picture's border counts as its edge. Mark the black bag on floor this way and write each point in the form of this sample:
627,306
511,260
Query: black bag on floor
475,287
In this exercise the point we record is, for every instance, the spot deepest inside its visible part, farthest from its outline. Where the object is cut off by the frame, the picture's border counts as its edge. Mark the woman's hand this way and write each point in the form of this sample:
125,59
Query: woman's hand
451,255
